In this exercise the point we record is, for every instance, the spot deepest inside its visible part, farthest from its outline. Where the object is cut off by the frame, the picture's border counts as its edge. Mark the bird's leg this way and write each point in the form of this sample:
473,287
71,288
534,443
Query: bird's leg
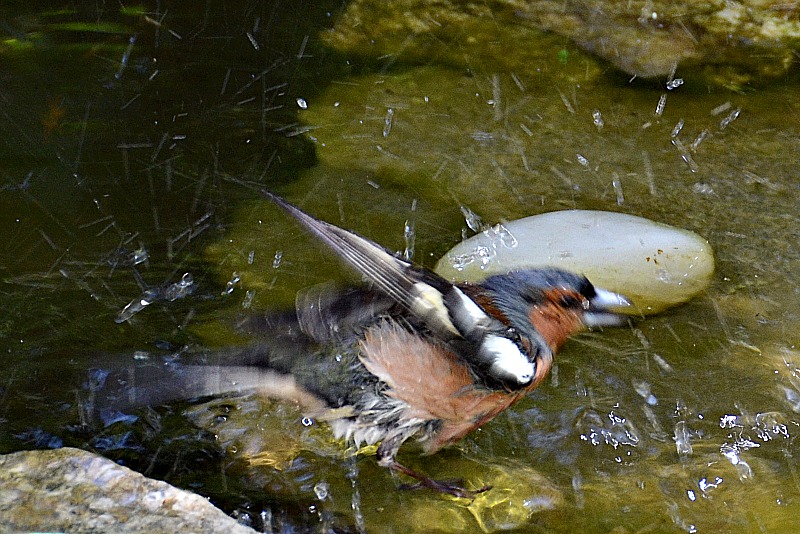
386,458
441,486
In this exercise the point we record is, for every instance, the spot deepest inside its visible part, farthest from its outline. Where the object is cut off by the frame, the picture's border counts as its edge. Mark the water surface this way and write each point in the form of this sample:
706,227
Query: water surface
122,135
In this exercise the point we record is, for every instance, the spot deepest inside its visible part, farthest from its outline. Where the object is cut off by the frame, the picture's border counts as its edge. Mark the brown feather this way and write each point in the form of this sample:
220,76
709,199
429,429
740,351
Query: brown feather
553,321
433,382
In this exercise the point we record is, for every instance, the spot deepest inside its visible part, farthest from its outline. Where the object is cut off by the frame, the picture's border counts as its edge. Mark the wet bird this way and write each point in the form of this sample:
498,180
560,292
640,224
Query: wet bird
408,355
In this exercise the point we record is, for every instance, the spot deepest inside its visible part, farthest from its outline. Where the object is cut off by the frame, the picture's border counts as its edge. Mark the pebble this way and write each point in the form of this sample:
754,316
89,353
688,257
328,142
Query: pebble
656,266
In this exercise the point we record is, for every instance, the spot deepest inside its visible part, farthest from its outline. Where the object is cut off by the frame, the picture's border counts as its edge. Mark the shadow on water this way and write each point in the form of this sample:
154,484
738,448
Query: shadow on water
123,128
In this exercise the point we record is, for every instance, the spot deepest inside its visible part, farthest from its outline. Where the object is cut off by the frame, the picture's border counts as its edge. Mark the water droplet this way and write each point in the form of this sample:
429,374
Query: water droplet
674,84
682,439
473,220
732,116
230,285
504,236
247,301
321,490
597,119
387,122
662,102
677,129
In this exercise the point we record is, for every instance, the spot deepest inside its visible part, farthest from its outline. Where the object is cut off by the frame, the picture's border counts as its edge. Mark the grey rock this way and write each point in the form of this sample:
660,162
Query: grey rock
730,43
70,490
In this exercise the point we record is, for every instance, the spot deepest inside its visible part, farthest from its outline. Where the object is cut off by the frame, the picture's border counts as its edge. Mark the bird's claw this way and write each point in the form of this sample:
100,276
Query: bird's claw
450,488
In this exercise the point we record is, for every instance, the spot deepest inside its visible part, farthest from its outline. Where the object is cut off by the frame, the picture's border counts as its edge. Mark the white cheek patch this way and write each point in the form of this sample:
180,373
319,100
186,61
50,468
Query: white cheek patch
460,315
509,361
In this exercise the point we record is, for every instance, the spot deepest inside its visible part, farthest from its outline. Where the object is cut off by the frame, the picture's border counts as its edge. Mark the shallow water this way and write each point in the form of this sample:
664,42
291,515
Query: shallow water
118,157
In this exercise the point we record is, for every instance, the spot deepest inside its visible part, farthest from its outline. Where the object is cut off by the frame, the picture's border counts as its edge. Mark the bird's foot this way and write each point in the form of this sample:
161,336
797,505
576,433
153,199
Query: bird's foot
453,488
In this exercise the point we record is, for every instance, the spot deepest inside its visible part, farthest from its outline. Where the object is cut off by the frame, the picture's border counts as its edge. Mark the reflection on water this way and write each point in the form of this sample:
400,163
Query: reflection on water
116,161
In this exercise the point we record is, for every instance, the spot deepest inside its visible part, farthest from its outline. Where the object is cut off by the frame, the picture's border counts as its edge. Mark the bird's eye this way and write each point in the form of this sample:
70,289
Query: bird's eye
570,301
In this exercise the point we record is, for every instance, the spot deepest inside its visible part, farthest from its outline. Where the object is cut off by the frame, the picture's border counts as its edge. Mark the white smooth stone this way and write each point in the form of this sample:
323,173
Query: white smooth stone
654,265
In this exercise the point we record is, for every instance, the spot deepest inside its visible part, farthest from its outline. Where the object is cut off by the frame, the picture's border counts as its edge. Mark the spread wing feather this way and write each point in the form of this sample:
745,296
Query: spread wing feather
484,341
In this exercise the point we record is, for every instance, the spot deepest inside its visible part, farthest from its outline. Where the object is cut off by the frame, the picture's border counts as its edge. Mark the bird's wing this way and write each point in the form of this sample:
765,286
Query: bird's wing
420,292
443,308
328,313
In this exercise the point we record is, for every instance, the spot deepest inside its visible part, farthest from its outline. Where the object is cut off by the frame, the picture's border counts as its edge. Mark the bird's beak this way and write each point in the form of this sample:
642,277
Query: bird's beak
603,308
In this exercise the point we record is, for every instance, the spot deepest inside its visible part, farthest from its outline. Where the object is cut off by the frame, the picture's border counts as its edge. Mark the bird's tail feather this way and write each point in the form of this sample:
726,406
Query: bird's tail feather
110,394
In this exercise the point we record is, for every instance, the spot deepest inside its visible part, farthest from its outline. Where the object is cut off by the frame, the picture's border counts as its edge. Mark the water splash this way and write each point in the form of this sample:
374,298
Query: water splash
684,153
662,103
322,490
674,84
619,433
676,130
768,426
276,260
732,116
165,293
682,439
473,220
410,237
388,121
230,285
247,301
643,389
597,119
498,237
617,185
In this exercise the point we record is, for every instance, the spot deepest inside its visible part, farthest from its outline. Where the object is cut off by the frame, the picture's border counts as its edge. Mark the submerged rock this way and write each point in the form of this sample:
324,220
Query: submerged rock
654,265
730,43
